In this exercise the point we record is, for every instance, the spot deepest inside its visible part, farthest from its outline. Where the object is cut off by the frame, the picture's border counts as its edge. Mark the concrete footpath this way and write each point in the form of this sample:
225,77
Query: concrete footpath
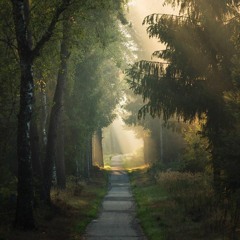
117,219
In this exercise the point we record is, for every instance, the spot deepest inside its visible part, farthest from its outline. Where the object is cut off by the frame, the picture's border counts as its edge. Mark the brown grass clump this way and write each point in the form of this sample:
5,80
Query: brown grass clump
193,192
73,208
181,205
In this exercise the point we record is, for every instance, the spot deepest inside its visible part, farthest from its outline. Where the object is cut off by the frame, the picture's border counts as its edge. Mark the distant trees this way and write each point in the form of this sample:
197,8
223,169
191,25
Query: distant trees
162,143
97,78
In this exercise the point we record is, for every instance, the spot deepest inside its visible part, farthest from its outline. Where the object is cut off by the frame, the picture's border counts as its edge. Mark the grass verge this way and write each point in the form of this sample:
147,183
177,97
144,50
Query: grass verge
72,210
148,197
176,206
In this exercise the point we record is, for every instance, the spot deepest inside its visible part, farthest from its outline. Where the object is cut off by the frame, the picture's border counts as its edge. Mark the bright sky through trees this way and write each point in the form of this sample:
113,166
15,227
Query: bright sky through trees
138,10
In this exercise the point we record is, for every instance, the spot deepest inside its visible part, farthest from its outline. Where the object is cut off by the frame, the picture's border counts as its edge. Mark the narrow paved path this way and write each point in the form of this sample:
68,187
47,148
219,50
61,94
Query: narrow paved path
117,220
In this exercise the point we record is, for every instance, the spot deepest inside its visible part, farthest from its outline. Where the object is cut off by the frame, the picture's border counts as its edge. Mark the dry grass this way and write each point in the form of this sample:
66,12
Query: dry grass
72,210
176,206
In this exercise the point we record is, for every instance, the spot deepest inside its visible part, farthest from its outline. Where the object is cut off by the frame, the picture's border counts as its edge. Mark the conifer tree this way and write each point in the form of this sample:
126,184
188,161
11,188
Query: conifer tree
194,73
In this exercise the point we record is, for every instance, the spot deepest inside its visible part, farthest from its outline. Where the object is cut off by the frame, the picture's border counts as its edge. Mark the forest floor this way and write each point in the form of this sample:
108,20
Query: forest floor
72,210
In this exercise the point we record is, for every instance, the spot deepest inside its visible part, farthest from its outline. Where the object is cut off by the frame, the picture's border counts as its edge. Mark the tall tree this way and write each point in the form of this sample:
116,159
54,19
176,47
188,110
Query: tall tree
97,148
27,54
196,71
55,131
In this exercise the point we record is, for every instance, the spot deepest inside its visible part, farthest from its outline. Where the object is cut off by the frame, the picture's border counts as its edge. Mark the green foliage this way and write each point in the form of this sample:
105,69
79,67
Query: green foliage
92,102
147,195
187,189
195,156
67,218
175,205
9,87
94,91
200,65
185,86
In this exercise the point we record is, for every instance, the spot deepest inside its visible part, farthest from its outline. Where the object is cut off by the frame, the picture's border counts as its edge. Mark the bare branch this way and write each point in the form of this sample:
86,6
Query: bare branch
8,43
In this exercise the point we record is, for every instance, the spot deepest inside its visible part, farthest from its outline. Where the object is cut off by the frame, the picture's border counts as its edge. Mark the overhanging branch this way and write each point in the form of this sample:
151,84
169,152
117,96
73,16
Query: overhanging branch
49,32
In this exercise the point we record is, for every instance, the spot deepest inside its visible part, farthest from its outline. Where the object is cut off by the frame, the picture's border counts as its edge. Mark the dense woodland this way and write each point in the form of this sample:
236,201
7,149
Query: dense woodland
61,78
60,71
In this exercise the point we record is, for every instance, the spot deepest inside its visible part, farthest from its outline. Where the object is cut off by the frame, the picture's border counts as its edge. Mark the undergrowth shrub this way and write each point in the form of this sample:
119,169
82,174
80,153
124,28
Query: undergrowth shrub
196,205
192,196
74,188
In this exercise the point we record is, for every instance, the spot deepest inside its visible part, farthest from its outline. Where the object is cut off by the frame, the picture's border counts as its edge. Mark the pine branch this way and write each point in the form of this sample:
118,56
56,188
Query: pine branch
154,18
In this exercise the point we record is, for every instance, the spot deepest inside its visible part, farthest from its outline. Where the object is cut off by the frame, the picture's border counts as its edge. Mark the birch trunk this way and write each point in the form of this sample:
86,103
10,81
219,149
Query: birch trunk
24,211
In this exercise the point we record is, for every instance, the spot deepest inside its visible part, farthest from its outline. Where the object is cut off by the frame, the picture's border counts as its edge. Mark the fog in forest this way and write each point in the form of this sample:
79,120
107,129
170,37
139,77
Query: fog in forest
137,11
112,106
119,138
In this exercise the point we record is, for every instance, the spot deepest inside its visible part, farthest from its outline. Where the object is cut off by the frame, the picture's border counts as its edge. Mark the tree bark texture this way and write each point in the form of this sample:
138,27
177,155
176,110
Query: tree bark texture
34,134
60,160
97,149
24,212
87,158
90,150
43,115
20,12
56,120
36,162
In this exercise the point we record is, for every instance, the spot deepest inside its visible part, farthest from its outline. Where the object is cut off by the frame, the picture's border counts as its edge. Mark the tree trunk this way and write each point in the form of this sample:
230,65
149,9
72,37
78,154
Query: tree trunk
90,150
87,158
60,161
43,116
20,12
100,137
56,120
34,136
36,162
97,148
24,212
85,164
146,149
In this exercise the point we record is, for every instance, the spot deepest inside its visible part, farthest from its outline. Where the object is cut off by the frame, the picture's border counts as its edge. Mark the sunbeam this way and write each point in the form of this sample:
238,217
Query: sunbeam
138,10
122,139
